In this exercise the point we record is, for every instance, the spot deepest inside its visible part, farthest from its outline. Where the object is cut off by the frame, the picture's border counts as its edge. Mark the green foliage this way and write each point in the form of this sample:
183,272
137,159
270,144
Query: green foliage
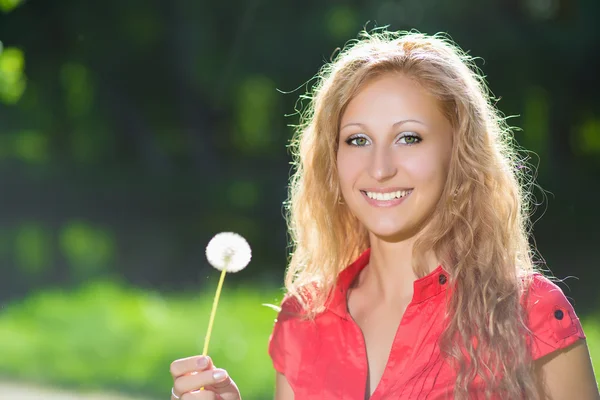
108,336
343,22
78,87
9,5
144,30
33,247
28,145
255,106
89,143
12,78
6,245
536,121
88,249
591,327
586,139
243,194
31,146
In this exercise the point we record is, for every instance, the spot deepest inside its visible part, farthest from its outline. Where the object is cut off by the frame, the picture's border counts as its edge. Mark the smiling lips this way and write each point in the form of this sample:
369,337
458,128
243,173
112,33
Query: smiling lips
385,197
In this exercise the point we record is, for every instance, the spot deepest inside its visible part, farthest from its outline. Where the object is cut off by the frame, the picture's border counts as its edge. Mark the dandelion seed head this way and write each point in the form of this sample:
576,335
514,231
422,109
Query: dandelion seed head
228,251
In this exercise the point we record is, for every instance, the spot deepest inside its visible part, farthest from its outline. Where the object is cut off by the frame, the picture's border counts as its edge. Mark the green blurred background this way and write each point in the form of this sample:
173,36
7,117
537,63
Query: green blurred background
132,131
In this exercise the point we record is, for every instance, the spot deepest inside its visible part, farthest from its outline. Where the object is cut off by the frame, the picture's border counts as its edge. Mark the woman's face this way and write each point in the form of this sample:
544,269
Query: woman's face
393,156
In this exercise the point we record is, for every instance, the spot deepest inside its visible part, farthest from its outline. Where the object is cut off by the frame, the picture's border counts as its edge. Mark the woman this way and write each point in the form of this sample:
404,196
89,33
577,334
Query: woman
406,173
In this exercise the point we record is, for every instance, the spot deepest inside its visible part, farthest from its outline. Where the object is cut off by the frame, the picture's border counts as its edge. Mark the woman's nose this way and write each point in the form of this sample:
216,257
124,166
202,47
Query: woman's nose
382,164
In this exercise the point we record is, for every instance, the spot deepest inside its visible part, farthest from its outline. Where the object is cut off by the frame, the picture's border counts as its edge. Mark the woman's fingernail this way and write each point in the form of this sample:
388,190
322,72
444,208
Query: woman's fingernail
219,374
202,362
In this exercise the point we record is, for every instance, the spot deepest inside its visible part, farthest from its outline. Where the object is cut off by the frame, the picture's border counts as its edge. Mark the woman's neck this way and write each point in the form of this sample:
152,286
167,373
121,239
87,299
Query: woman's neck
390,272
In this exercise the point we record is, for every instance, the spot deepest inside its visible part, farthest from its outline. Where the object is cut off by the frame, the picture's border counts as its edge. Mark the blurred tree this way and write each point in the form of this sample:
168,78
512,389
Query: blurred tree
33,249
89,250
12,79
9,5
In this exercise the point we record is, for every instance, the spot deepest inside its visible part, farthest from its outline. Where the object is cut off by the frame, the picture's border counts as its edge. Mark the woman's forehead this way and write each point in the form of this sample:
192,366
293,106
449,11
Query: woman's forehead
391,99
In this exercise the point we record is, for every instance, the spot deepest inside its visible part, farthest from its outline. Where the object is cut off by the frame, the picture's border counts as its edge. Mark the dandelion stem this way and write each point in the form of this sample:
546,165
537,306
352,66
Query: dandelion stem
213,312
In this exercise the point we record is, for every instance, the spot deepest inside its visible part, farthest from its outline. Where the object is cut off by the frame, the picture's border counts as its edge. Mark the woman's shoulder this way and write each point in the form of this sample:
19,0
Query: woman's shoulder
551,317
543,296
291,308
542,292
302,303
292,330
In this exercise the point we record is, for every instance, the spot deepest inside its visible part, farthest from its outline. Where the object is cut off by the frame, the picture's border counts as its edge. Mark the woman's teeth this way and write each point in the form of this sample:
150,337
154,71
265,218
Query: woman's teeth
388,195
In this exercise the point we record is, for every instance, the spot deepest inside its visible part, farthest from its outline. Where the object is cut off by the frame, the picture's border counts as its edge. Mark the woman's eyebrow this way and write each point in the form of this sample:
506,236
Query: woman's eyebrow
404,121
395,125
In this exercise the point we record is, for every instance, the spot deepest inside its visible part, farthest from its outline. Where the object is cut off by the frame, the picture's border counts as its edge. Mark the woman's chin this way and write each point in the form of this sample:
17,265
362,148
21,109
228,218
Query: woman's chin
392,233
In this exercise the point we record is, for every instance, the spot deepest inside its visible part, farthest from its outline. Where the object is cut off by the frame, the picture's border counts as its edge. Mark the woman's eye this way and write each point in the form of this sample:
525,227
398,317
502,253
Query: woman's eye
358,141
410,139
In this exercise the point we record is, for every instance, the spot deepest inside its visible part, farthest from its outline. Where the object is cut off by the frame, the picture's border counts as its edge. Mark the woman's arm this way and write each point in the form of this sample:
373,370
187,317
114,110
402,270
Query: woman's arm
567,374
283,390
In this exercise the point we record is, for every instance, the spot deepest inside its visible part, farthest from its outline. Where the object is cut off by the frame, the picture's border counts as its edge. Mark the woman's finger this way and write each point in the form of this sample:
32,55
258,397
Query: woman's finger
199,395
206,379
188,365
226,388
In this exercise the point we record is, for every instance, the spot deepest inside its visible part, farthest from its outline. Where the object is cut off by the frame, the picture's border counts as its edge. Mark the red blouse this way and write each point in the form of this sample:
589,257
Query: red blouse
326,358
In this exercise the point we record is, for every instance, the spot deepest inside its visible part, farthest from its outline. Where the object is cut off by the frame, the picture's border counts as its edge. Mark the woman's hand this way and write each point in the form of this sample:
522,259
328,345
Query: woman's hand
193,373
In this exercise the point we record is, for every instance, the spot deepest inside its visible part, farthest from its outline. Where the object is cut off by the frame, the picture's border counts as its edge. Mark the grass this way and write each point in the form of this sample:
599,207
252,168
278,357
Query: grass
106,336
591,327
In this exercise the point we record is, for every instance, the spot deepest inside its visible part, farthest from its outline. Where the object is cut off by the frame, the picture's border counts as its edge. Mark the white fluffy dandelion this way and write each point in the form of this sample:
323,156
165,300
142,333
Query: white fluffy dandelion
227,252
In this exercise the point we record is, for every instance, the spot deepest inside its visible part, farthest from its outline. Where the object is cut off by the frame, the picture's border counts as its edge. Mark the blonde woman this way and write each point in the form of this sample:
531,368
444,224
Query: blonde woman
411,275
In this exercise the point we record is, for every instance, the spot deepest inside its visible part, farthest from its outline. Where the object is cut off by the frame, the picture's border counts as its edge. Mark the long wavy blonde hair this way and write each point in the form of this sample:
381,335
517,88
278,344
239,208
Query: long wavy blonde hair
480,226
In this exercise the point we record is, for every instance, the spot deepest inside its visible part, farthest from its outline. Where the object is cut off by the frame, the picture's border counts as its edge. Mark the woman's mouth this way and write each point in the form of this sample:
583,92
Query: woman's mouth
386,198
